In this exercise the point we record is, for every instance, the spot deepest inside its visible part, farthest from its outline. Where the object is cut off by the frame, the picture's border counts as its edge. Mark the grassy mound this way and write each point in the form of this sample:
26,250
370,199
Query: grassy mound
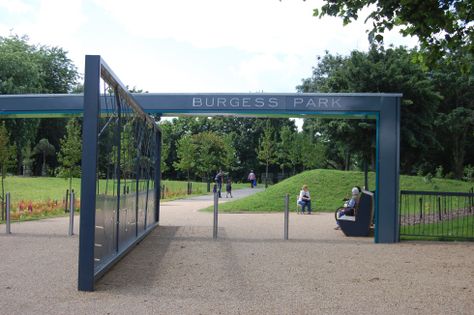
328,188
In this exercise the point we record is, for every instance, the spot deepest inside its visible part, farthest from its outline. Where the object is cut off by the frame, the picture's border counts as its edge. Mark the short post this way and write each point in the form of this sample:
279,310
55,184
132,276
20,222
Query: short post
216,210
71,214
287,215
7,197
421,208
439,209
66,205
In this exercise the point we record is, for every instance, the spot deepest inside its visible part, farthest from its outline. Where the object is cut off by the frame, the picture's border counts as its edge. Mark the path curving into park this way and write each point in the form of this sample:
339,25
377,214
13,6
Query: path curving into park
250,269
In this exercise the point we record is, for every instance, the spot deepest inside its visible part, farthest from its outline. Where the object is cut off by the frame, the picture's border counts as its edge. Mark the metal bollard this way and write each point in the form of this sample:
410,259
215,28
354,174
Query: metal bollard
216,210
287,216
71,214
7,197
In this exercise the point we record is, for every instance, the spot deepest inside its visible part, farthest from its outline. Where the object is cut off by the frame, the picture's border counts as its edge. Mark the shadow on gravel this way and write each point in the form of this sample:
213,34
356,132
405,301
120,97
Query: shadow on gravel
140,267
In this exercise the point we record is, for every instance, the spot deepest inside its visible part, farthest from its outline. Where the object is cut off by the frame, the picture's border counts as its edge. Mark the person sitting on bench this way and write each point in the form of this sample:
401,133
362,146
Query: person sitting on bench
304,199
349,207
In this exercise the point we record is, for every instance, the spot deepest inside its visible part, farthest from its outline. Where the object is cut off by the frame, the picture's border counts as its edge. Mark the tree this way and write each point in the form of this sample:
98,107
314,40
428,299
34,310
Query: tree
456,126
284,148
313,151
27,68
441,26
453,124
296,147
211,153
165,151
186,152
70,152
45,149
28,160
7,160
379,70
266,151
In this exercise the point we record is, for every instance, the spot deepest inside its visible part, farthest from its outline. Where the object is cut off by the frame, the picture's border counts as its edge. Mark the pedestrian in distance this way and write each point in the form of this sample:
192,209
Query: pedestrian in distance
228,188
219,179
253,179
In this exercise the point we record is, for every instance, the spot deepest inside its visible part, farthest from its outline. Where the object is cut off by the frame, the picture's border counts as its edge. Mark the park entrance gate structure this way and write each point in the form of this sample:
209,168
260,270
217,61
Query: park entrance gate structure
115,120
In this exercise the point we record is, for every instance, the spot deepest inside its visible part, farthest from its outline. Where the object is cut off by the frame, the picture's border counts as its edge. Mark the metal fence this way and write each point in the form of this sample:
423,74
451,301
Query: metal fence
437,215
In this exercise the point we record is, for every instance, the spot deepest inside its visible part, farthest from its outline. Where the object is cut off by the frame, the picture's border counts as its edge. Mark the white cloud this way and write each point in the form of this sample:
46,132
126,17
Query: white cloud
15,6
189,45
264,26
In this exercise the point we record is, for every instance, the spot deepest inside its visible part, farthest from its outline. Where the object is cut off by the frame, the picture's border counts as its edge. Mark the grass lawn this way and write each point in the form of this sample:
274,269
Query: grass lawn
328,188
46,194
52,188
446,230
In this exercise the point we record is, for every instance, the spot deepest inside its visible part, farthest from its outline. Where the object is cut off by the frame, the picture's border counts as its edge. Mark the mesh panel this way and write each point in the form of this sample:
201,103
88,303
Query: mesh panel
125,205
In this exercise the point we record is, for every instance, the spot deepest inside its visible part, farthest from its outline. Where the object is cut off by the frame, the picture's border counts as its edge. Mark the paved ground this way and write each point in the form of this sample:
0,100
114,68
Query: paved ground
179,269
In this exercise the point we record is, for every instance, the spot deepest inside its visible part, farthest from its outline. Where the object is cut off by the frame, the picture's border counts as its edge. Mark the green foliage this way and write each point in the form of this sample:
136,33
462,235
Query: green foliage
70,152
243,133
469,173
26,68
7,159
204,153
44,148
186,152
441,26
266,150
28,160
313,152
284,148
377,71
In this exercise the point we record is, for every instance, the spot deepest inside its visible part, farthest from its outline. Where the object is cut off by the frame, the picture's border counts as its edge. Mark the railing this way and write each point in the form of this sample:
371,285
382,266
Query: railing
437,215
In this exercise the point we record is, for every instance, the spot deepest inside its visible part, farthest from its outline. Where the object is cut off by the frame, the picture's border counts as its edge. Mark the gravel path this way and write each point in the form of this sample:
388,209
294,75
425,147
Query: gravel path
179,269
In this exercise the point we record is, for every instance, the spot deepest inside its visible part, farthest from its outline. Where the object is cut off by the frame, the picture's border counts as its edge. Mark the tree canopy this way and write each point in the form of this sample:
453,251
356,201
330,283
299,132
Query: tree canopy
441,26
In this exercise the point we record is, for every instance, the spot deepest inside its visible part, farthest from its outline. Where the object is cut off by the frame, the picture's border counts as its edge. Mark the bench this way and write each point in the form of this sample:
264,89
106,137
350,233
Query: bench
359,224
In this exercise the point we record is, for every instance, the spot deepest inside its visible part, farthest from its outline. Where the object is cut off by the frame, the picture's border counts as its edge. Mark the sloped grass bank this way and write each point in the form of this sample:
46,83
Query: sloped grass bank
328,188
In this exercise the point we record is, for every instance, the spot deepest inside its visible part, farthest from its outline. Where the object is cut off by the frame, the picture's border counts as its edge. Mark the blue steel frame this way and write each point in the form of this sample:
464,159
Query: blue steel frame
95,69
385,108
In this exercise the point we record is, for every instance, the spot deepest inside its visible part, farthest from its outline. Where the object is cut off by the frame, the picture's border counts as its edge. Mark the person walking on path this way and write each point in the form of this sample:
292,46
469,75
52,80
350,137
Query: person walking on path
253,179
219,180
304,199
228,188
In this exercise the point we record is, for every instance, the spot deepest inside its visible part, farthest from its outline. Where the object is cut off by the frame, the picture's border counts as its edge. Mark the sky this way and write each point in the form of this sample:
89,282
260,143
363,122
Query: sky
179,46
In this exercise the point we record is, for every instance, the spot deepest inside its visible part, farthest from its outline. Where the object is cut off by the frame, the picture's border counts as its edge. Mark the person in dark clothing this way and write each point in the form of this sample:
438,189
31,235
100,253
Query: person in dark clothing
228,188
219,180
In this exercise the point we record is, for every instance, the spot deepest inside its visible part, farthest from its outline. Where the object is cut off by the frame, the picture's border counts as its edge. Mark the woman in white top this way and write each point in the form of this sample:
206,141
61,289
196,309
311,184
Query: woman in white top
304,199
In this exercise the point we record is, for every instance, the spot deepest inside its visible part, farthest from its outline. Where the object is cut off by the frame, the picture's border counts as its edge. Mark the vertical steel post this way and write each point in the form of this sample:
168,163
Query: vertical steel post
118,170
7,197
287,216
157,174
89,171
71,213
216,211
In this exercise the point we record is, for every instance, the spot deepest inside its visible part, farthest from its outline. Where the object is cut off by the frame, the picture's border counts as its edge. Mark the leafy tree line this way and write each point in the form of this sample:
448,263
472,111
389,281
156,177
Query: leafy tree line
24,69
437,110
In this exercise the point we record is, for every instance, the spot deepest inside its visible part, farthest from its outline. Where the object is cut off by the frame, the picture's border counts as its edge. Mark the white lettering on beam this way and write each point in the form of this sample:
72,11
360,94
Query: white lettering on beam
197,102
317,103
239,102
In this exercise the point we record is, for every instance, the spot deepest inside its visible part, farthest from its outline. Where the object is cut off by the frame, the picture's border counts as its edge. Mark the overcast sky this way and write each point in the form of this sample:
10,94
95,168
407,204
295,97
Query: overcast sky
191,45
